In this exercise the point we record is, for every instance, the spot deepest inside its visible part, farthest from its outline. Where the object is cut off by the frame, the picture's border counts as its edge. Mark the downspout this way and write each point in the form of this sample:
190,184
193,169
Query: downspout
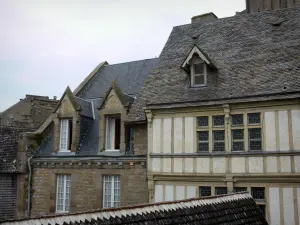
29,187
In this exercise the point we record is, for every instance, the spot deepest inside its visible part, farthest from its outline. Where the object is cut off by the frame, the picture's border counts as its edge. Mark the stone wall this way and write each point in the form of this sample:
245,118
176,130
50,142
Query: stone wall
87,185
140,139
8,193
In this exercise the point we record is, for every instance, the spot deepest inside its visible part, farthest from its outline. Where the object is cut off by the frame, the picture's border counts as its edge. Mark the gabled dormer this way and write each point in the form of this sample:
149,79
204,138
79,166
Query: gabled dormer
198,65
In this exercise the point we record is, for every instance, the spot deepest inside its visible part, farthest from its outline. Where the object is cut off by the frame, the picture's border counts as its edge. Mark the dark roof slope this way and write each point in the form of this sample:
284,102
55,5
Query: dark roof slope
256,55
227,209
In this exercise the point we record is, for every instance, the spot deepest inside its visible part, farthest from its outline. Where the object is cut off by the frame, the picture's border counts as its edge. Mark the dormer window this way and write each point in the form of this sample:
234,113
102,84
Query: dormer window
198,74
65,135
113,131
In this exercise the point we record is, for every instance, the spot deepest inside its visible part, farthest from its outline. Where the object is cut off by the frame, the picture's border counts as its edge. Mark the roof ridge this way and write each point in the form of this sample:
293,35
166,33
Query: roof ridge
132,61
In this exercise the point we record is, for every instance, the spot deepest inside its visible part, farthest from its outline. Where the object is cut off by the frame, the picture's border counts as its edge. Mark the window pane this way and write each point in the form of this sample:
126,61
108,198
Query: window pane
219,147
221,190
205,191
199,68
199,79
240,189
203,147
203,135
253,118
238,146
258,193
237,119
255,146
218,121
219,135
238,134
262,209
203,121
254,133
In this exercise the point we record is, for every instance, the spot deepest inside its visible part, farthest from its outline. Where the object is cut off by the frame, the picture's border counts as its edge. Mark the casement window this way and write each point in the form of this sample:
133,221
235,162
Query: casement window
258,194
65,135
111,191
220,190
205,191
218,133
198,74
113,133
63,192
238,131
203,134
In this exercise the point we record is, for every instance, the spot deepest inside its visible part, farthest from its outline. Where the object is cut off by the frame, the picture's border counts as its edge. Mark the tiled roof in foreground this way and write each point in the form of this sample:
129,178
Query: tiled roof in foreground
235,209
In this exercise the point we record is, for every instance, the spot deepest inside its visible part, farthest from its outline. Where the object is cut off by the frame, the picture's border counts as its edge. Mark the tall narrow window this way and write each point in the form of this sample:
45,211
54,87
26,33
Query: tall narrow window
218,134
63,192
258,194
65,134
199,74
254,132
203,134
111,191
237,132
113,132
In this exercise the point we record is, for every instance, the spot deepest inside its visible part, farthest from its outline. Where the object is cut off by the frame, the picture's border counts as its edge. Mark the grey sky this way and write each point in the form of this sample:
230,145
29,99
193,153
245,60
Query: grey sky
46,45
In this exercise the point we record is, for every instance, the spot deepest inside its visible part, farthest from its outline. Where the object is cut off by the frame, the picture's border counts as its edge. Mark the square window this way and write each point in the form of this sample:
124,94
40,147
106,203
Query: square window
237,119
253,118
199,79
218,121
220,190
205,191
258,193
199,68
203,121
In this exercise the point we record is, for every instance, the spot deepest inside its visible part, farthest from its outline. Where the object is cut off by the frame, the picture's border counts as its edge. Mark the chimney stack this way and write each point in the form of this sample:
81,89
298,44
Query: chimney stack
204,17
54,97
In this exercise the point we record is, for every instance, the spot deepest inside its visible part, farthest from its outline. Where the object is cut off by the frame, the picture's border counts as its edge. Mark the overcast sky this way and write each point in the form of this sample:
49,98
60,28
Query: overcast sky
46,45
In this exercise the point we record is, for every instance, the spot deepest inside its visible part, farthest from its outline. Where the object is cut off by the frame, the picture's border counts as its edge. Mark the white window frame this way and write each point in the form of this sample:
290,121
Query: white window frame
193,74
114,179
62,126
111,135
64,178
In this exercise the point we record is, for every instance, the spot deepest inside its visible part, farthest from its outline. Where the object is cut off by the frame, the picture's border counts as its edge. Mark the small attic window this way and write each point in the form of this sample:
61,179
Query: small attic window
198,74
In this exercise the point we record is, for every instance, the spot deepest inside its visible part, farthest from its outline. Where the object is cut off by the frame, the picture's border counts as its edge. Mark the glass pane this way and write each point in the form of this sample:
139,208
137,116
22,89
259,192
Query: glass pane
254,133
238,146
219,147
237,119
203,147
205,191
221,190
203,121
218,121
199,79
253,118
199,68
262,209
258,193
255,145
240,189
238,134
203,135
219,135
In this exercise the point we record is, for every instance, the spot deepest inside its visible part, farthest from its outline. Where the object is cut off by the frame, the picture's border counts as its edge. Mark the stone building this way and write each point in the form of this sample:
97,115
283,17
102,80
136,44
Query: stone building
91,157
223,113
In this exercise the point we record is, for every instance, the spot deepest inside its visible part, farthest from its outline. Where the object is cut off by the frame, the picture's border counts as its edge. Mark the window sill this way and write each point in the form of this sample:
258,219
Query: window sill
64,150
61,212
112,150
198,86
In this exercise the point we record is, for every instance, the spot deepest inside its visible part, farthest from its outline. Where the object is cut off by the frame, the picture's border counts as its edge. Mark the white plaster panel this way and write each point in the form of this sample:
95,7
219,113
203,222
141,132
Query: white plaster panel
219,165
166,165
297,164
167,135
298,201
189,133
296,128
238,165
274,206
272,164
288,206
169,192
158,195
156,165
283,125
177,165
270,135
179,192
156,135
178,135
203,165
256,165
285,162
190,192
188,165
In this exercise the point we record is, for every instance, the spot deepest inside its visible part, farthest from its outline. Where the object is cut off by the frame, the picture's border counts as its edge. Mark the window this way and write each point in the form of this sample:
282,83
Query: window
220,190
203,134
63,192
240,189
199,74
111,191
65,134
113,133
205,191
218,134
258,194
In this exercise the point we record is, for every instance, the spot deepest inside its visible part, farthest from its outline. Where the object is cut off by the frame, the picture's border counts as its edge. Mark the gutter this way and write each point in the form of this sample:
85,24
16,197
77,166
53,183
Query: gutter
29,187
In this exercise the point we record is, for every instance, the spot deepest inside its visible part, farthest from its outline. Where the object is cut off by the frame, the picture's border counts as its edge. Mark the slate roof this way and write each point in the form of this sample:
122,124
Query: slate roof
235,209
86,107
255,55
9,137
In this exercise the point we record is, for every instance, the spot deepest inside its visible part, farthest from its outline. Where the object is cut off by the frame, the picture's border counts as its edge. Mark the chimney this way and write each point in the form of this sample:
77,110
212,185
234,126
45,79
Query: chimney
204,17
